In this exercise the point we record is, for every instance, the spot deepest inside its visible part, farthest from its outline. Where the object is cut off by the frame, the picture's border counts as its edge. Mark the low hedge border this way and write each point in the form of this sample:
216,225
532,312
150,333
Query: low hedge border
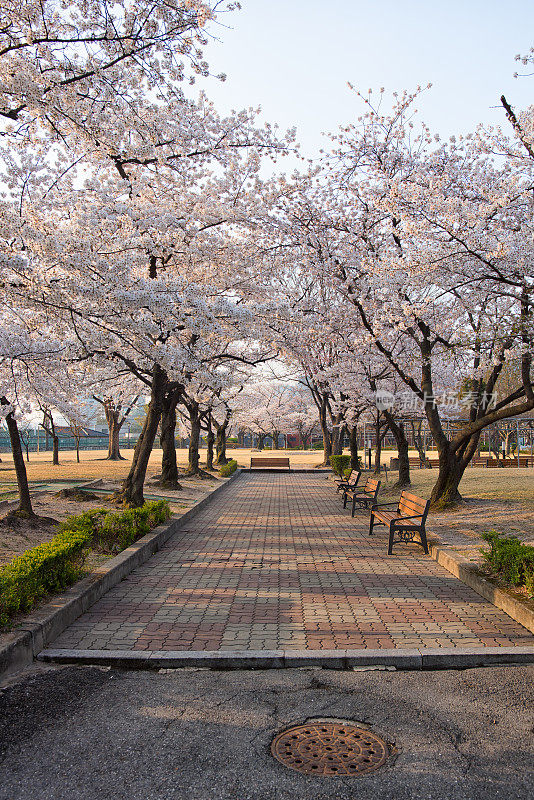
45,623
53,566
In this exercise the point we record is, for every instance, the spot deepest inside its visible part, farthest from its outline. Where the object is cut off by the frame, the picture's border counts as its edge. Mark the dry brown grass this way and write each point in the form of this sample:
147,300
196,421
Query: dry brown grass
478,483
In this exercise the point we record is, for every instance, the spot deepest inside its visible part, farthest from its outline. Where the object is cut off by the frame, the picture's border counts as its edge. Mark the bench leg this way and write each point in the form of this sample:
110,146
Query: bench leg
371,523
423,540
390,543
353,506
345,498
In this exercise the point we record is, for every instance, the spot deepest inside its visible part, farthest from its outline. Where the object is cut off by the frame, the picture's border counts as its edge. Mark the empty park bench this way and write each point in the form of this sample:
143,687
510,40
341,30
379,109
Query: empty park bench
363,497
350,482
266,462
415,461
513,461
405,521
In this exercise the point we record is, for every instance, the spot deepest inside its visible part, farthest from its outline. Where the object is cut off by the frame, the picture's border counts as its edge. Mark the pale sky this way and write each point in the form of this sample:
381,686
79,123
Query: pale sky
294,58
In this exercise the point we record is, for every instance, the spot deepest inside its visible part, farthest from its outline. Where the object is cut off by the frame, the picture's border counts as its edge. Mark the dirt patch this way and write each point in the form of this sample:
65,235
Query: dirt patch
15,539
466,524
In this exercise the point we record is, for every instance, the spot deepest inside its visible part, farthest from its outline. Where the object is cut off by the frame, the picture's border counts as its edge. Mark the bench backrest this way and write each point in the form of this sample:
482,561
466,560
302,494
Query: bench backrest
269,462
372,485
411,505
354,477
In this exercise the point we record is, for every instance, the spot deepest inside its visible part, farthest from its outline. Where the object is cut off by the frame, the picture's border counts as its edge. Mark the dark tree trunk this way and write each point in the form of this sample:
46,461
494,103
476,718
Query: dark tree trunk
275,435
169,463
338,433
220,442
131,493
194,441
446,489
25,503
399,433
78,451
261,441
114,427
210,440
55,451
353,443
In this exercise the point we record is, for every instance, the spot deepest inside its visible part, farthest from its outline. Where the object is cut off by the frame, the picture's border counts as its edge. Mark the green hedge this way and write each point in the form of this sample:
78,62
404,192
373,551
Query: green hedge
228,469
509,558
54,565
112,532
340,464
49,567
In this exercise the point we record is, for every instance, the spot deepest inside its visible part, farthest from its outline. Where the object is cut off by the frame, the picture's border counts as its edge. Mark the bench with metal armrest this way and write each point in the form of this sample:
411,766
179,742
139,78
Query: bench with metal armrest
348,483
406,521
362,497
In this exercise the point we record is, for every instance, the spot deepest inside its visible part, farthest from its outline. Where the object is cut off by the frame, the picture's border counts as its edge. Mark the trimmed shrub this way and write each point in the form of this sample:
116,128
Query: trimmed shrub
49,567
228,469
510,559
54,565
340,464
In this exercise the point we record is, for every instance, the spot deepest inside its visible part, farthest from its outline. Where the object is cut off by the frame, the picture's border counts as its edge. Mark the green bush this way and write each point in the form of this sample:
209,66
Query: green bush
54,565
340,464
228,469
49,567
509,558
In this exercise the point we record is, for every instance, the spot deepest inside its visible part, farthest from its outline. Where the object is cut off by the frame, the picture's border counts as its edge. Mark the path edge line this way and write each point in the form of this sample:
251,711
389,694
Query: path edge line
396,658
462,569
45,624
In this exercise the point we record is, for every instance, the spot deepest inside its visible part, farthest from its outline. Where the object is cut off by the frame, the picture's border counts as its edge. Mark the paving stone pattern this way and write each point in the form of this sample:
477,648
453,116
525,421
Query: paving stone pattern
276,563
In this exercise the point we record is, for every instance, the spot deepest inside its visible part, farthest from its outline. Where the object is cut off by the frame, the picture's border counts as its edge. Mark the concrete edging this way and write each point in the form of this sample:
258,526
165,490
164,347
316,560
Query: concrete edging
417,659
45,624
462,569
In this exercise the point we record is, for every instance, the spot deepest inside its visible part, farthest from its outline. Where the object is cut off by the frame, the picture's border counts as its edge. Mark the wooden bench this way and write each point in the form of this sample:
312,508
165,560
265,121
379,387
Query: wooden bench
524,461
407,520
415,461
363,497
272,463
350,482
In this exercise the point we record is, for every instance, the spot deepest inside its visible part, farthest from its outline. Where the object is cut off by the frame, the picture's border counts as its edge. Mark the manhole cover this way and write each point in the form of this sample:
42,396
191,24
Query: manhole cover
323,747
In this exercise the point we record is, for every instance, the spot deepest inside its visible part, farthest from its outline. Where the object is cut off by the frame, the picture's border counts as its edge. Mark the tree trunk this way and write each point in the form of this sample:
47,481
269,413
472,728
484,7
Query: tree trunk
169,463
338,433
131,493
445,492
220,443
210,439
114,427
327,442
194,441
261,441
353,443
399,433
275,435
55,450
25,503
77,451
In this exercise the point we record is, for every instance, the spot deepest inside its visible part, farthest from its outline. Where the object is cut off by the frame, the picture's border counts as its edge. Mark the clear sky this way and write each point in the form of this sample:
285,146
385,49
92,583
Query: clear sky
294,58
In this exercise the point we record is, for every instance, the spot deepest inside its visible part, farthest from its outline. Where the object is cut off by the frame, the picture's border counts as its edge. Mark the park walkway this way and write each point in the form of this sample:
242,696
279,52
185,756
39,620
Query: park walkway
274,562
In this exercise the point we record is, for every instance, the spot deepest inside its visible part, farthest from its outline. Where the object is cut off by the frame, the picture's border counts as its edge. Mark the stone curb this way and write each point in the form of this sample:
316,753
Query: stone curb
46,623
463,569
423,659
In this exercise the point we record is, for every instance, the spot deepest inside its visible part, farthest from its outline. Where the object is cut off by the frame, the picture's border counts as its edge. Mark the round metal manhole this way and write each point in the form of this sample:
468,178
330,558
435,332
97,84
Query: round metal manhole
326,747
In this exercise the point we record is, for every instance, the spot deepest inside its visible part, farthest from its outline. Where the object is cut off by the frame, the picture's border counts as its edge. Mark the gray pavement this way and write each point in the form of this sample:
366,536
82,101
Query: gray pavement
84,732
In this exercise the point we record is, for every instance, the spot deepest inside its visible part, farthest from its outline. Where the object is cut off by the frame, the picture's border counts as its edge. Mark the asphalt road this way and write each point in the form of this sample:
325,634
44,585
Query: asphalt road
73,732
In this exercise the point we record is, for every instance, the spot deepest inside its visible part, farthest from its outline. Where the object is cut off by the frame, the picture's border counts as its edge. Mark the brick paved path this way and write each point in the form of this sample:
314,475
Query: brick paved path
275,563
